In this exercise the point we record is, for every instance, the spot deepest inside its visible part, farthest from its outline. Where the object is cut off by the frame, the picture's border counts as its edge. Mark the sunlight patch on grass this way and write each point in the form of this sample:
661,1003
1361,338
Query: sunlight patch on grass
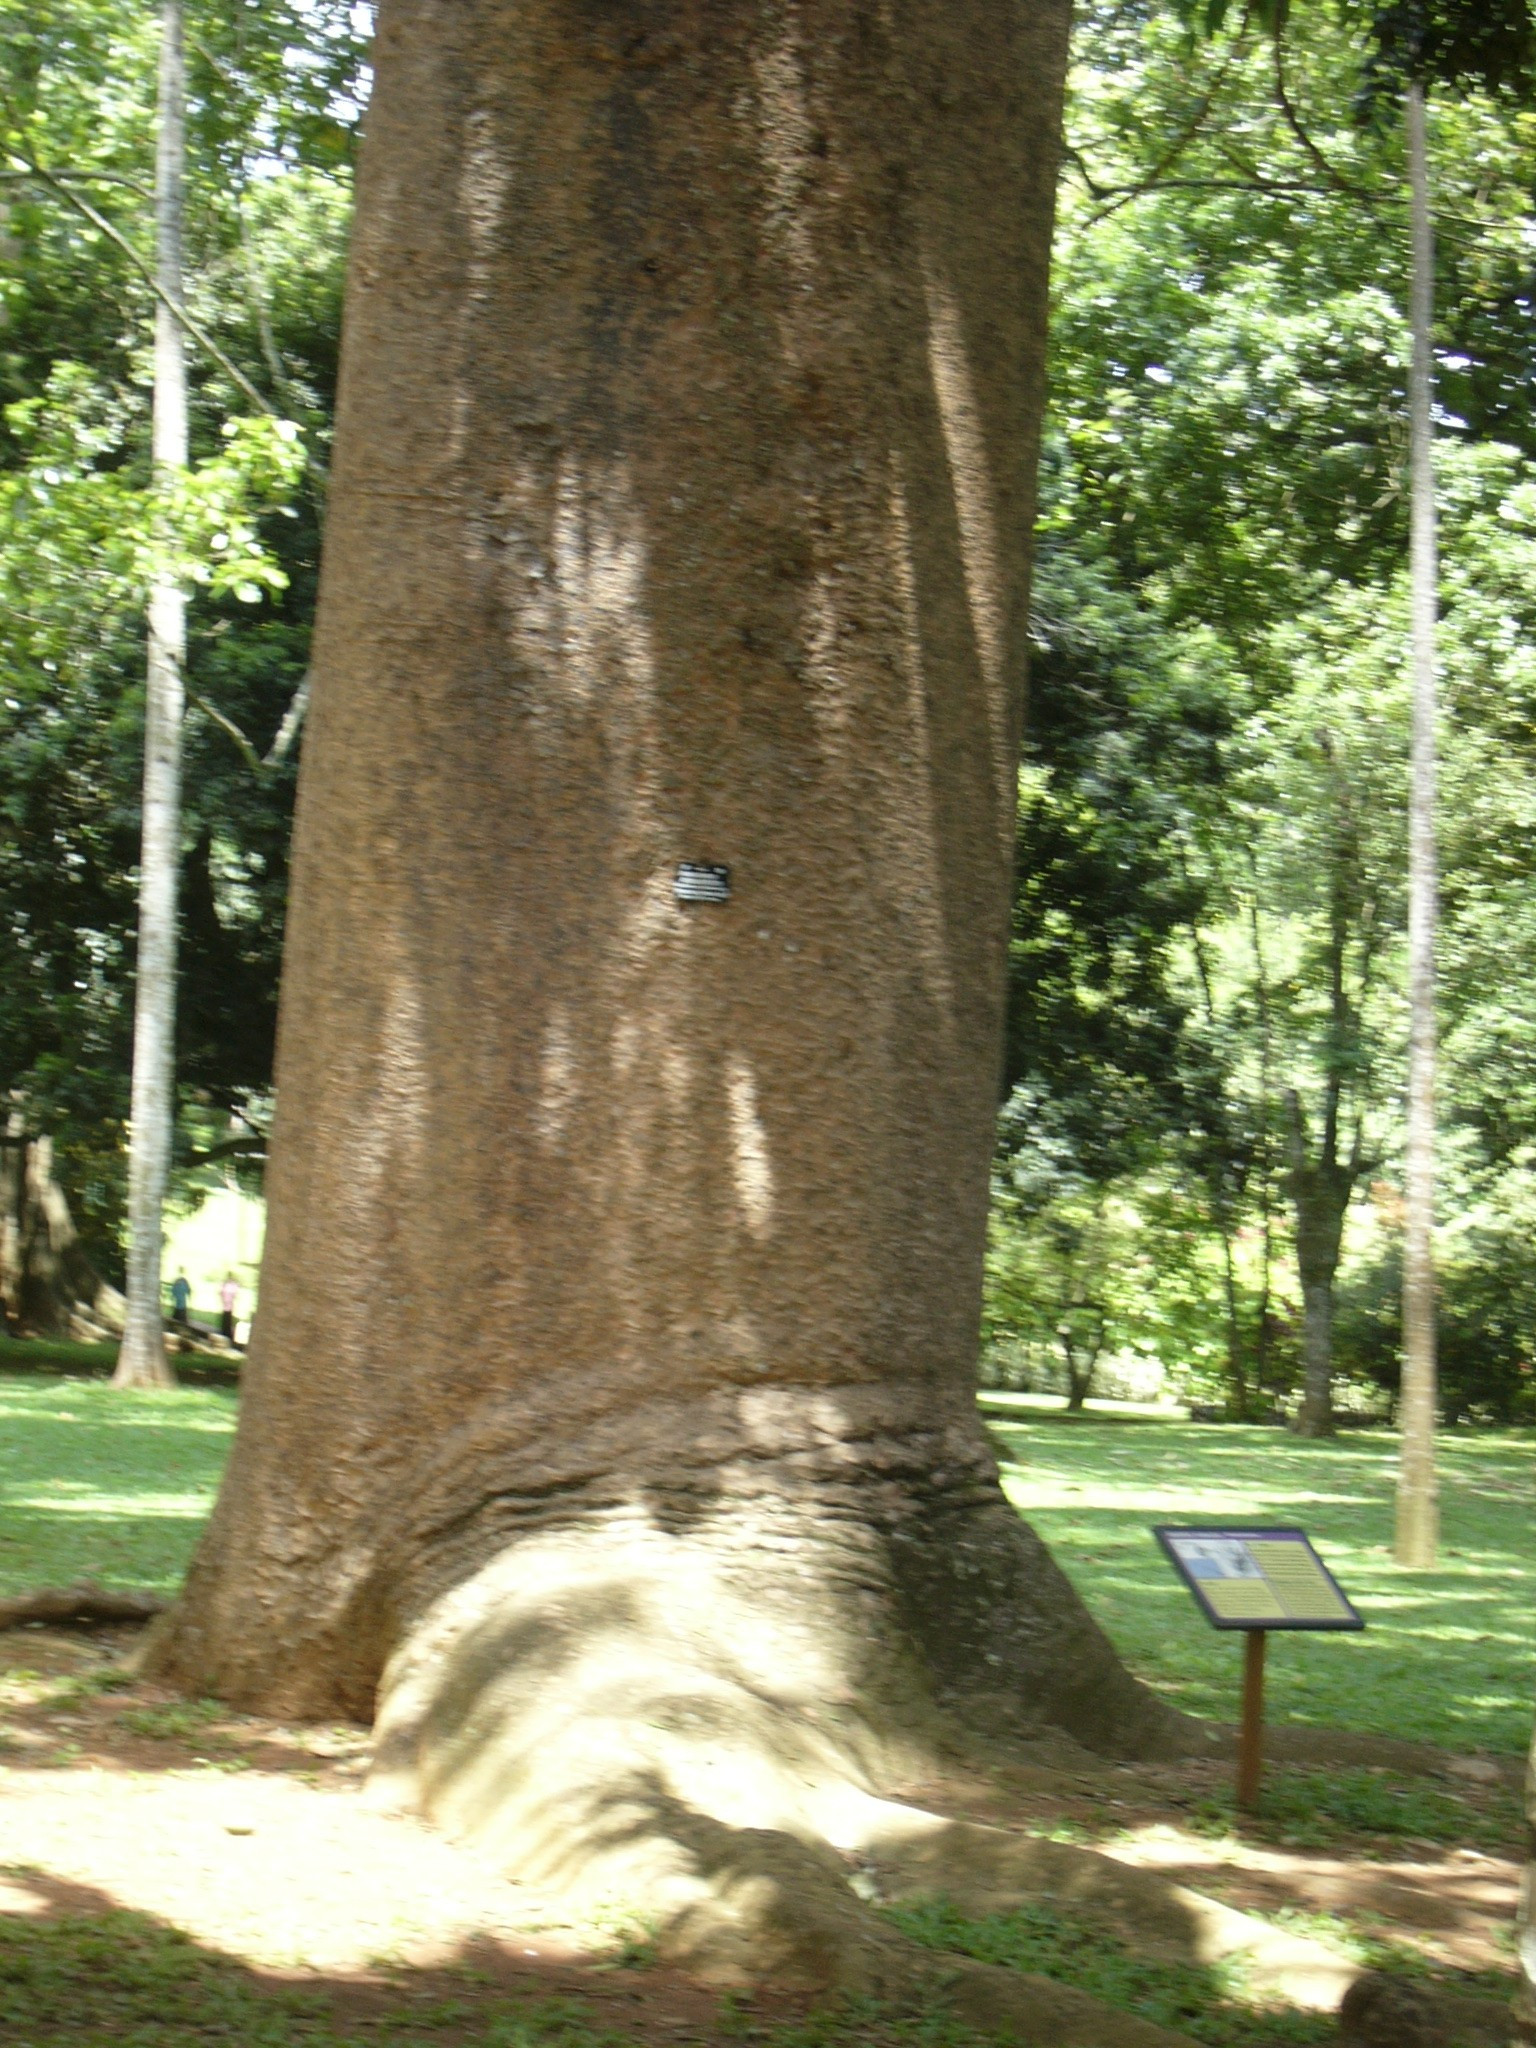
1448,1656
103,1484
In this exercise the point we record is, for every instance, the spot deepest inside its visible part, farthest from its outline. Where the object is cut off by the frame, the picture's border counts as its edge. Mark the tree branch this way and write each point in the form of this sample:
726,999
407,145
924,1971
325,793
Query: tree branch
292,725
252,758
84,178
179,313
233,1148
1294,123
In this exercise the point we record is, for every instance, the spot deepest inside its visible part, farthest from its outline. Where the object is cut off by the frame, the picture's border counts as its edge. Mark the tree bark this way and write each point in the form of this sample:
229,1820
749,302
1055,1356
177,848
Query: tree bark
610,1424
48,1286
142,1359
1418,1514
1079,1387
1320,1194
1316,1416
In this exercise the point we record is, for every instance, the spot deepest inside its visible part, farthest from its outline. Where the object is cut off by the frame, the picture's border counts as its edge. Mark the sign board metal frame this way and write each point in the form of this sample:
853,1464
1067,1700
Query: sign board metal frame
1276,1602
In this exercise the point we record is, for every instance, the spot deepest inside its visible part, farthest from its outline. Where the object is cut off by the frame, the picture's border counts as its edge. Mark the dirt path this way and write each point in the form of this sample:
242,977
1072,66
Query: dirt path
258,1841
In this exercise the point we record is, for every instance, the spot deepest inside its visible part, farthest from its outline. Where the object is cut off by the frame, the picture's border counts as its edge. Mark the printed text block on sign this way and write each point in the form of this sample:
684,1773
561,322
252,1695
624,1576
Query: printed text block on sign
1257,1577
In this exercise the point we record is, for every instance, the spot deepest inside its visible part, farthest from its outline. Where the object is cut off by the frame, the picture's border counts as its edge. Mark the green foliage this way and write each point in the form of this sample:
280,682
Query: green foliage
275,97
1118,757
1459,43
1212,816
183,1721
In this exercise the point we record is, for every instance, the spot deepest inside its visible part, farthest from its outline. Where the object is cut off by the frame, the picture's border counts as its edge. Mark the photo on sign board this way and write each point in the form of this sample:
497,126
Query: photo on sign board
1216,1557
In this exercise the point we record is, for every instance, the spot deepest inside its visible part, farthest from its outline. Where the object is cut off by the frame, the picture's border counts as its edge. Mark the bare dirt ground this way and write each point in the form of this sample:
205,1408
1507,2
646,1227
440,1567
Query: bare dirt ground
258,1841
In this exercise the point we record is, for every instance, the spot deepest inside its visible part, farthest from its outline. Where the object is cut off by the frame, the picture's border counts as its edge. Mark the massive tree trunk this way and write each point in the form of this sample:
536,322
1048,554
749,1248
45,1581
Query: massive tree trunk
142,1360
610,1423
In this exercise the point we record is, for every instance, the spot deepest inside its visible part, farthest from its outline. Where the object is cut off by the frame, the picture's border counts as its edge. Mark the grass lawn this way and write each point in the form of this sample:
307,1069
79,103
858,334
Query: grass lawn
98,1484
1448,1656
115,1486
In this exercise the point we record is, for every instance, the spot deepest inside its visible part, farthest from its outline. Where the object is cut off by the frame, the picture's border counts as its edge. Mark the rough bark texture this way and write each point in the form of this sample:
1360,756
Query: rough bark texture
142,1360
609,1421
1418,1516
48,1286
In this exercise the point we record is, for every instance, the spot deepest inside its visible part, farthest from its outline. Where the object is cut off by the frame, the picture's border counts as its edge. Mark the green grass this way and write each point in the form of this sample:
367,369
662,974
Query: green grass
1206,2003
98,1484
124,1980
104,1485
1448,1656
1311,1809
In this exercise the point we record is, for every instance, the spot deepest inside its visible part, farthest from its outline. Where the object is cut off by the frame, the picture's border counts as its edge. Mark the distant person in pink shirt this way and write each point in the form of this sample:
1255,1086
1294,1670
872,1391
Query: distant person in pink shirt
229,1295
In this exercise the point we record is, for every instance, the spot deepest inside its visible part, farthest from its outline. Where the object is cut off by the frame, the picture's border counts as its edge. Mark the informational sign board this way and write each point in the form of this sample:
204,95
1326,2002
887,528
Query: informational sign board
1257,1578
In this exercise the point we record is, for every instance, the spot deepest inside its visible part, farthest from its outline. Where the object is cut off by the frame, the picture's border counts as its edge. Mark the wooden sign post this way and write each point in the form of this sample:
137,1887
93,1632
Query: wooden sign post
1250,1739
1256,1579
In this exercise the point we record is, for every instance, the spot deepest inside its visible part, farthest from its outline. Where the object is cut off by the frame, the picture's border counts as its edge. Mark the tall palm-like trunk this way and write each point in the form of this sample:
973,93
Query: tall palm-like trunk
1418,1516
611,1428
142,1360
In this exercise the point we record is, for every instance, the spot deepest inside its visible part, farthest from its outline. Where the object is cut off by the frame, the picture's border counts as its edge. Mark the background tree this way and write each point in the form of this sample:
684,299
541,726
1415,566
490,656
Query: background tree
141,1360
1231,378
77,553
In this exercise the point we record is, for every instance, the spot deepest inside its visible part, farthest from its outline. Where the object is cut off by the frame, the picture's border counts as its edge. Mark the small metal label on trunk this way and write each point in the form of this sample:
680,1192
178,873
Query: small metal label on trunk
700,881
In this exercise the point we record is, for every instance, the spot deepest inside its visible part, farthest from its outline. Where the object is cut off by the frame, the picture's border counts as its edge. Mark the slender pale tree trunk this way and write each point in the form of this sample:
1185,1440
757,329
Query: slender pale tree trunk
611,1432
142,1360
1418,1514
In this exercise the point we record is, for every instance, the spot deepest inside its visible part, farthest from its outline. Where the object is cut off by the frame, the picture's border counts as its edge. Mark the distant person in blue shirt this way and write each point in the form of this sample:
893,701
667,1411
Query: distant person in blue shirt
181,1295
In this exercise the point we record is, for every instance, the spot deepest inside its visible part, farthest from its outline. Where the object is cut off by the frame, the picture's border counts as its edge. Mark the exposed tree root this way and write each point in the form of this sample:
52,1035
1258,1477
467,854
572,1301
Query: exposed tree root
987,1870
79,1604
1380,2011
704,1736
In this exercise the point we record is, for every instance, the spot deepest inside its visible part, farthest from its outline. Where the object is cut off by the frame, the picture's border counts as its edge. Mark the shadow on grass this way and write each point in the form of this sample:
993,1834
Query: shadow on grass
56,1358
77,1971
1203,2001
1447,1656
